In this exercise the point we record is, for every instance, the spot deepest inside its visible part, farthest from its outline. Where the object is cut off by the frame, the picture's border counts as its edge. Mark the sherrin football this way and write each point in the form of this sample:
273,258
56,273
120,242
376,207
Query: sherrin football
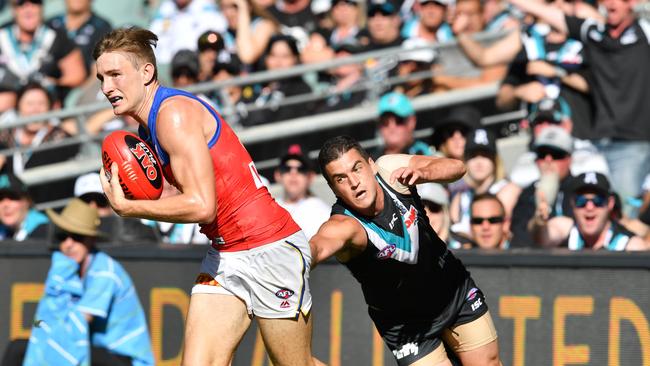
140,172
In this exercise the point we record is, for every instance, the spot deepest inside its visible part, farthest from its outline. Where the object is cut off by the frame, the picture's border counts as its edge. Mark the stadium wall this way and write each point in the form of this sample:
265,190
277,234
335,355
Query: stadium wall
550,308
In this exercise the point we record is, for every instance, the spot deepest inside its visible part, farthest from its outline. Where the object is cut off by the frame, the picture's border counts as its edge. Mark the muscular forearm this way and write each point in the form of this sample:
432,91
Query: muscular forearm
577,82
182,208
547,13
440,170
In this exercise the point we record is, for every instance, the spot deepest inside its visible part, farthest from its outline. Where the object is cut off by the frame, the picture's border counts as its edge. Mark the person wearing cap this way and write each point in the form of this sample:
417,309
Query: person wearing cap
90,312
555,112
185,68
490,225
397,121
179,23
383,26
19,221
591,226
483,176
415,61
553,148
449,133
83,26
430,23
295,174
435,200
249,31
210,46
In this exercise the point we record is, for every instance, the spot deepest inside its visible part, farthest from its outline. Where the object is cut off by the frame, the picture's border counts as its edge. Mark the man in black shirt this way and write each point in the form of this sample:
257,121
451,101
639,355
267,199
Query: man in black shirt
618,53
418,293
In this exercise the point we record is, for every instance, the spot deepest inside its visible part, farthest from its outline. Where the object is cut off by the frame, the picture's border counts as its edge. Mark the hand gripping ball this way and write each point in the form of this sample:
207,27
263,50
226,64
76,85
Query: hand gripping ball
140,172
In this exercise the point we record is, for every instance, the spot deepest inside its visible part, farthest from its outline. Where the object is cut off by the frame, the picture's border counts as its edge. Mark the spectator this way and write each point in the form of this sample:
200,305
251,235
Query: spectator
483,176
34,99
282,53
435,200
90,312
83,26
397,122
349,20
212,49
430,24
185,69
250,29
19,221
489,222
234,95
618,51
555,112
88,188
179,23
412,62
344,80
296,17
592,226
383,27
53,60
467,19
449,134
553,149
295,174
496,16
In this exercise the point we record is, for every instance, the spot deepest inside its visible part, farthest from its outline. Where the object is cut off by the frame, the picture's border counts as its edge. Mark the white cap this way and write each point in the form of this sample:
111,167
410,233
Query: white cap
88,183
555,137
434,192
421,55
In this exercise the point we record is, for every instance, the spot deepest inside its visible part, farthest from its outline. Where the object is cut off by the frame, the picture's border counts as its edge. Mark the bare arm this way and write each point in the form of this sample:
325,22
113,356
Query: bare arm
500,52
183,137
488,75
73,71
550,233
417,169
340,236
250,46
637,243
546,13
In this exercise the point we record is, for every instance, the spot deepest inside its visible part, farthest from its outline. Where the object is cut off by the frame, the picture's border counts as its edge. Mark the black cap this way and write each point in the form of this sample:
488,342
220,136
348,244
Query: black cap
549,110
480,140
591,181
464,118
13,188
351,48
385,8
294,152
185,61
210,40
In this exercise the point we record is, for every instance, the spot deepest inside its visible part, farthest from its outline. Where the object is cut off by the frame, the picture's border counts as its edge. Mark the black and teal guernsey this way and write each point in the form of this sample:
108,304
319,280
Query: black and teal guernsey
406,270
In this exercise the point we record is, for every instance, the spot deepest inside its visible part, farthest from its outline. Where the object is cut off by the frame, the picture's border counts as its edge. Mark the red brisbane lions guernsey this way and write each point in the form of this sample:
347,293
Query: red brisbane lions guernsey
247,215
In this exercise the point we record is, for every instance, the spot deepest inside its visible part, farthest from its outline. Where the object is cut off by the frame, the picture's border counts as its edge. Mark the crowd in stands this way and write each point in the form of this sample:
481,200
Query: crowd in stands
583,84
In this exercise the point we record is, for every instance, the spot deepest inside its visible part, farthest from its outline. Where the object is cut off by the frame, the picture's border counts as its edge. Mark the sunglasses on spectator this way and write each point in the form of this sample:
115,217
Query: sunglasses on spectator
63,235
581,200
23,2
554,153
447,133
99,199
384,120
380,10
475,220
289,168
349,2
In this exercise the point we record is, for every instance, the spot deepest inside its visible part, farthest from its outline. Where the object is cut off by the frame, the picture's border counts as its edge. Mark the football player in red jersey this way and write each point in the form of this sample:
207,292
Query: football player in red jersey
220,189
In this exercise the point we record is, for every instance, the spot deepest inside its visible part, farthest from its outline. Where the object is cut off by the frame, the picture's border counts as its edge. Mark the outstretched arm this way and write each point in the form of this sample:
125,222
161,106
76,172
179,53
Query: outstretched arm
546,13
340,236
409,170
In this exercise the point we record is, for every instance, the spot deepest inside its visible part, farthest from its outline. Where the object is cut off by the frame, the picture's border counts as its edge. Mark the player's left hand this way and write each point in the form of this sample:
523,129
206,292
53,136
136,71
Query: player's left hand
405,175
112,188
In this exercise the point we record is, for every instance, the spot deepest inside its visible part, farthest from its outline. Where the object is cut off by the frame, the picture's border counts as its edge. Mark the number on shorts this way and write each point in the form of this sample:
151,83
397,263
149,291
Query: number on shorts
256,176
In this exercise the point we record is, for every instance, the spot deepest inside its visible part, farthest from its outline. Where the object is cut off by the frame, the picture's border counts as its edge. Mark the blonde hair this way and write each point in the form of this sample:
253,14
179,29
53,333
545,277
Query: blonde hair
136,42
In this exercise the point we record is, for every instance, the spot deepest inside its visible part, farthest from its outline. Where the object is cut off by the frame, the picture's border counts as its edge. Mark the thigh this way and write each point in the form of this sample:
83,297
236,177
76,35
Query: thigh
288,341
214,327
475,343
438,357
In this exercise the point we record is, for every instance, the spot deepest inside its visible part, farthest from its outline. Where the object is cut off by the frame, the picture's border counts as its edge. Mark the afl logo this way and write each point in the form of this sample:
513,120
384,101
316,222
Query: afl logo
284,293
472,293
146,158
386,252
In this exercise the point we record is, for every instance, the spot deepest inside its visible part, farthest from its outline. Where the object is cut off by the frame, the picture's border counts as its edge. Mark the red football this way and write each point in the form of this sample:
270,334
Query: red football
140,172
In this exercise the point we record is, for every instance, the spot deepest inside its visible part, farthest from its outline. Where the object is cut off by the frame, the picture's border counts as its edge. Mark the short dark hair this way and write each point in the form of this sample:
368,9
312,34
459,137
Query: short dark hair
488,197
335,147
34,85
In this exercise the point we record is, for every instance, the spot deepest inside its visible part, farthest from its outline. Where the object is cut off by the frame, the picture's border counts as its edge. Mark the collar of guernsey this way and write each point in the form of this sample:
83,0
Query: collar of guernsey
149,133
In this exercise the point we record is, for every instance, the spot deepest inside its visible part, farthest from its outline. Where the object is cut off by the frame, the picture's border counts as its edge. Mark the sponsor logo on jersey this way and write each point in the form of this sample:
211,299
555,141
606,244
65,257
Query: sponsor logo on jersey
477,304
285,304
387,252
471,295
406,350
392,221
411,217
284,293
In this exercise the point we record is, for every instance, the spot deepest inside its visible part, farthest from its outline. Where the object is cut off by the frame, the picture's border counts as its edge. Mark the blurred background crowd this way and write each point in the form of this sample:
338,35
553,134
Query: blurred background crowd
557,153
